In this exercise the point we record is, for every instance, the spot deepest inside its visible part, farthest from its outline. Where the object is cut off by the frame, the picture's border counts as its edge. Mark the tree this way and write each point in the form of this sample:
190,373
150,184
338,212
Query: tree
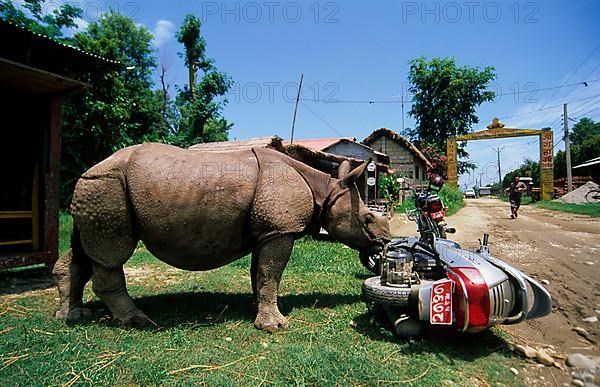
120,108
585,145
49,24
436,157
583,131
445,97
200,113
529,168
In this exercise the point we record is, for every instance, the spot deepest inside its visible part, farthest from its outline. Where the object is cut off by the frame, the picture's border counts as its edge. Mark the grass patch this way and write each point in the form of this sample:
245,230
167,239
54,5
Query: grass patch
64,232
206,334
591,209
452,198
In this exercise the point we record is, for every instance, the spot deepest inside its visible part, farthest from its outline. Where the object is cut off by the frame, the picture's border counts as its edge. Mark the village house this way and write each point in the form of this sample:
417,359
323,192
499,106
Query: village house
405,158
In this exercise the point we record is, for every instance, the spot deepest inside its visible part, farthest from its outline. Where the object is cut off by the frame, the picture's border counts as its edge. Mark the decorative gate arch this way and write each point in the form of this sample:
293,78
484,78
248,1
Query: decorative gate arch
497,130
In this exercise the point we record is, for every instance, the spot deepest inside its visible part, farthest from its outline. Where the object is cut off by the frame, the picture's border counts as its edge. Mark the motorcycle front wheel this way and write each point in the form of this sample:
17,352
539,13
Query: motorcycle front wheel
442,232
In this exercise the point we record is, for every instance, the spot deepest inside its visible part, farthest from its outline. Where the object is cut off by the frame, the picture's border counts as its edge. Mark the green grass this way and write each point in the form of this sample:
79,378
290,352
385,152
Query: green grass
64,232
206,326
452,198
591,209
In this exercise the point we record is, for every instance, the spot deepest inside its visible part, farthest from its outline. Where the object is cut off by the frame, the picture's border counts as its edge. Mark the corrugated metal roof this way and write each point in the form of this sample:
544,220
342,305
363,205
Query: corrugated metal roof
589,163
57,42
318,143
225,146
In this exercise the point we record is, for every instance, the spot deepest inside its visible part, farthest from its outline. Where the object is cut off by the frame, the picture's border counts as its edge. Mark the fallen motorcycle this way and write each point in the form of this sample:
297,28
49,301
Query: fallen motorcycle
431,283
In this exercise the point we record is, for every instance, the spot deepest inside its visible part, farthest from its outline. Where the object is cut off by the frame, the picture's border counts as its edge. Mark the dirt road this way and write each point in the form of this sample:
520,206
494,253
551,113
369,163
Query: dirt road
561,248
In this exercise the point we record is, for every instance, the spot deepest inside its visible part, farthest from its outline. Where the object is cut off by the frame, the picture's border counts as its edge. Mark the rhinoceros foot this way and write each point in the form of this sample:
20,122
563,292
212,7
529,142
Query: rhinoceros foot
270,321
74,314
136,319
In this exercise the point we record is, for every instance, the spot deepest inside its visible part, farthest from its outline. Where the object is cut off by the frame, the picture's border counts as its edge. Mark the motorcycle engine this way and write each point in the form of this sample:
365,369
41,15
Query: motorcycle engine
426,265
397,266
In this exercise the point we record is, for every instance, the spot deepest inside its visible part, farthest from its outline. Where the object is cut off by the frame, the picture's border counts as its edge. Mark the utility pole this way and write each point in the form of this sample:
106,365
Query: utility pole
567,149
403,114
296,108
480,179
498,150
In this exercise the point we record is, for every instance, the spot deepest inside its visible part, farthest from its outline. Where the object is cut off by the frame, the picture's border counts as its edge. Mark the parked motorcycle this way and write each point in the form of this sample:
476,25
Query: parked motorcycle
428,214
430,210
431,283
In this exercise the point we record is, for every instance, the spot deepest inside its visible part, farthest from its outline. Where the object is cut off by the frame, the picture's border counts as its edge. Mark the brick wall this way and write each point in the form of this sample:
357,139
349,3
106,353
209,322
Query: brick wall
401,159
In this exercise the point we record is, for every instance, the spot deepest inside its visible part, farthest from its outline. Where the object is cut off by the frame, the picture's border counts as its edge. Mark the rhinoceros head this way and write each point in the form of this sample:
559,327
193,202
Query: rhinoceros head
347,218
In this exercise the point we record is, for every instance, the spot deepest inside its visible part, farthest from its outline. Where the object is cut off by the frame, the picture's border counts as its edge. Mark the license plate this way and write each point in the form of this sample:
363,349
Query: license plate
437,215
440,307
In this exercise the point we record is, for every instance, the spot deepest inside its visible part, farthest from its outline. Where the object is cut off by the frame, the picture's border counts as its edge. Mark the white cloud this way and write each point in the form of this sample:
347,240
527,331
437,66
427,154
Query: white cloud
82,24
163,31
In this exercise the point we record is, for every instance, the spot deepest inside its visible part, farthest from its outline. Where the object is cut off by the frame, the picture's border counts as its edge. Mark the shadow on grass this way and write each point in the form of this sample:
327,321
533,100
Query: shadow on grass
465,347
211,308
17,281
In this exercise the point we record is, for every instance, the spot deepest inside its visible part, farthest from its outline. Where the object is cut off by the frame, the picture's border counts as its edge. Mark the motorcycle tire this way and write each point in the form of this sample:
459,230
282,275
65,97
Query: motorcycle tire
374,291
371,262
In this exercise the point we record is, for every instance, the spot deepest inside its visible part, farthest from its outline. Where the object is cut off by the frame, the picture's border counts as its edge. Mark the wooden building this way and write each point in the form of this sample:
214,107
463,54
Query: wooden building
349,148
405,158
36,72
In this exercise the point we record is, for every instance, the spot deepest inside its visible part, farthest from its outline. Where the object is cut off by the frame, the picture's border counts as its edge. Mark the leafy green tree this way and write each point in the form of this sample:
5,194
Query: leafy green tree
445,97
49,24
584,130
120,108
529,168
200,110
585,145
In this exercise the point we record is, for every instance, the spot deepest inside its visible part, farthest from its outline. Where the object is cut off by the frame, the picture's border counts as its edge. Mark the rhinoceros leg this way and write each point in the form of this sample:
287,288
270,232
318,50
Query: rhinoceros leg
109,286
71,272
273,256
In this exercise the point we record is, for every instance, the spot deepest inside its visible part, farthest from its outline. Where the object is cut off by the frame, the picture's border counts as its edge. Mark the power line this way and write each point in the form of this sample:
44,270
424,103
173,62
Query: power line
546,108
321,119
373,102
571,75
370,102
583,106
585,83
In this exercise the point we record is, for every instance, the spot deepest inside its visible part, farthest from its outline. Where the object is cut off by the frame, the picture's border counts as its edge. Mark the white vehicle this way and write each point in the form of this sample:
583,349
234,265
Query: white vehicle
470,193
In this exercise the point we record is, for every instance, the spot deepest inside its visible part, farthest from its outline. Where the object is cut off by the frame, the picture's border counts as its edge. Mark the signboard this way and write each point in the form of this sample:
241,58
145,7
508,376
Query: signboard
451,162
546,164
371,181
371,167
497,130
440,307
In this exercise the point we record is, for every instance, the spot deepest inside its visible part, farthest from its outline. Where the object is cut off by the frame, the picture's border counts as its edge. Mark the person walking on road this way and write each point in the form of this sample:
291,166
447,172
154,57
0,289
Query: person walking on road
515,191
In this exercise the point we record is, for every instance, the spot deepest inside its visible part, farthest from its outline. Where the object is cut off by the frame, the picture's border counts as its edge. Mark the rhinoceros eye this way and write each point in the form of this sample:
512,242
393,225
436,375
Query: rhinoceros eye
369,218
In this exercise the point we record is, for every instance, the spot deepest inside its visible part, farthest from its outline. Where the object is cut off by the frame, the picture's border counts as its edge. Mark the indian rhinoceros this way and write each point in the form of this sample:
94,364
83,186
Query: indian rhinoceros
201,210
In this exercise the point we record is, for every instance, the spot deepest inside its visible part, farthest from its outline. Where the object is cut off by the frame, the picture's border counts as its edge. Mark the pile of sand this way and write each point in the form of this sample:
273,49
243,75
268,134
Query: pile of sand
578,195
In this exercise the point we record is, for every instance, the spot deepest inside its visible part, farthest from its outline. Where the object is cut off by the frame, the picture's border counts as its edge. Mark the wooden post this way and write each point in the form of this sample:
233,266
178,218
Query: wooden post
451,166
51,197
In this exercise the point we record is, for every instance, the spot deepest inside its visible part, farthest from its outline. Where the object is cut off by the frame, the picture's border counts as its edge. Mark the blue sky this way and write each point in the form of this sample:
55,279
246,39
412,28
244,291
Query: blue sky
359,51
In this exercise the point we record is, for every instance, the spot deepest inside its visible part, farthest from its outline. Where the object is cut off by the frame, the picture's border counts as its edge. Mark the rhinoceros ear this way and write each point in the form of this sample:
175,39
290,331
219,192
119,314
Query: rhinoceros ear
349,178
343,169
